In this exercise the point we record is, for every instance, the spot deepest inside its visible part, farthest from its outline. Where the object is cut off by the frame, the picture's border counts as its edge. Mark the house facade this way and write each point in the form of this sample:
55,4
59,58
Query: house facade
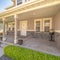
34,18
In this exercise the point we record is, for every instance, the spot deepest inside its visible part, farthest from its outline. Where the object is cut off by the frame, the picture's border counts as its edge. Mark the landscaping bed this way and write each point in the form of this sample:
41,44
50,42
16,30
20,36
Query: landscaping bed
20,53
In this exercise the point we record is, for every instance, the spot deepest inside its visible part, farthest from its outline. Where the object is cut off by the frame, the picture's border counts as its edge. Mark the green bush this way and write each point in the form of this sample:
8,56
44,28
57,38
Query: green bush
20,53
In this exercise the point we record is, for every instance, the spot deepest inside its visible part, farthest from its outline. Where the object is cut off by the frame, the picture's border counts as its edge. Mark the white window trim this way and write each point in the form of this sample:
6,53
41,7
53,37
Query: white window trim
58,31
44,19
40,24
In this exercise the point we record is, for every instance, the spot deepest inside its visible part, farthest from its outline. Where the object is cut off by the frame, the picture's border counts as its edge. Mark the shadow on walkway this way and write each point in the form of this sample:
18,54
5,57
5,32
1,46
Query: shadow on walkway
5,58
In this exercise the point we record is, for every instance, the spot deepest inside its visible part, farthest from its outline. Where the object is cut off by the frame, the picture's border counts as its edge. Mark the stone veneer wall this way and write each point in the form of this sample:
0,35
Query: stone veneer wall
56,26
33,34
57,39
42,35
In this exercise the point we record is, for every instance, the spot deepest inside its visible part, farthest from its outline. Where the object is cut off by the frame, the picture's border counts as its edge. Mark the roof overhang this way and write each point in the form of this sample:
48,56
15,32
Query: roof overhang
13,0
43,10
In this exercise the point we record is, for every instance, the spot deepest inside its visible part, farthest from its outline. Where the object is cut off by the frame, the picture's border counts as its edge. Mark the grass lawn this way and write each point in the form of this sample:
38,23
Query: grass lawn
20,53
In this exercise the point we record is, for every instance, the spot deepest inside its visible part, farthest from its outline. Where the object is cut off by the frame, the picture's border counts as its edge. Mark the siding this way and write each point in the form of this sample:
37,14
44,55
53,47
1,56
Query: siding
57,21
31,24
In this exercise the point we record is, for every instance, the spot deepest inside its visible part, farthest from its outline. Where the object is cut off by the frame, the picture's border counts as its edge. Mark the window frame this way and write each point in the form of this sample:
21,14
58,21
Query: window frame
18,3
40,24
45,19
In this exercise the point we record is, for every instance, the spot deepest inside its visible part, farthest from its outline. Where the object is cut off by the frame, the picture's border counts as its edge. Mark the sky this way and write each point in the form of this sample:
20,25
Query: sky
4,4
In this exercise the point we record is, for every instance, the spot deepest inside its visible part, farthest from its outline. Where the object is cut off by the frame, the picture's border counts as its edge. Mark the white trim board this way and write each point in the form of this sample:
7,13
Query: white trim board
58,31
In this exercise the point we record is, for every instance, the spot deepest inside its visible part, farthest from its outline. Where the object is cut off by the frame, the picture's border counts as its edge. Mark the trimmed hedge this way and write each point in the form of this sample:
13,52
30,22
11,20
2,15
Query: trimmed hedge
20,53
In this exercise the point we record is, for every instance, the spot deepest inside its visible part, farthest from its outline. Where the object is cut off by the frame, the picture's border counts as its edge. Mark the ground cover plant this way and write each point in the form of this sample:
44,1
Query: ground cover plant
20,53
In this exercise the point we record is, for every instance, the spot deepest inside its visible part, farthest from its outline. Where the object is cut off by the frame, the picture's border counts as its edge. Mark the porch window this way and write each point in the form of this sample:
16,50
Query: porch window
37,26
47,25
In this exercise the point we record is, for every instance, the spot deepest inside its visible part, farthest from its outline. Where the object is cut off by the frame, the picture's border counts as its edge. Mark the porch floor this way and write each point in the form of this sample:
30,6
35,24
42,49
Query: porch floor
42,45
38,44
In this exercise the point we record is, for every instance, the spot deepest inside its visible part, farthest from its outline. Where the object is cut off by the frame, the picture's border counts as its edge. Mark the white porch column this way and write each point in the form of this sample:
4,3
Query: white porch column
15,35
6,28
4,37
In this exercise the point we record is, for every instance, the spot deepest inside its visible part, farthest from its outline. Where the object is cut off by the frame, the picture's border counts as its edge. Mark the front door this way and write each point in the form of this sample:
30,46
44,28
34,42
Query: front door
23,28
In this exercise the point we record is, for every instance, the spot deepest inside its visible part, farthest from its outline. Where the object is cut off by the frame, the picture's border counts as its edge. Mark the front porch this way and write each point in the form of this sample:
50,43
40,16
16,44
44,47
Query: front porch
38,44
33,26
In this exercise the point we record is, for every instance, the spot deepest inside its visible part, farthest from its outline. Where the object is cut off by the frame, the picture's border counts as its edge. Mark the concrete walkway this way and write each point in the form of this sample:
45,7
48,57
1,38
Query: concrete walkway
45,46
2,49
38,44
1,52
2,56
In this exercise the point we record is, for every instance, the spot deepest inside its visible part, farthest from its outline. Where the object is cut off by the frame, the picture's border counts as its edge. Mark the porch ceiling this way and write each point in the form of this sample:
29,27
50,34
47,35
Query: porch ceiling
9,19
1,21
41,12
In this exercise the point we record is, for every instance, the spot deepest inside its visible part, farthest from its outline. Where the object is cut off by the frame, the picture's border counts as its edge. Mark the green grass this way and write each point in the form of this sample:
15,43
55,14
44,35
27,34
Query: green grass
20,53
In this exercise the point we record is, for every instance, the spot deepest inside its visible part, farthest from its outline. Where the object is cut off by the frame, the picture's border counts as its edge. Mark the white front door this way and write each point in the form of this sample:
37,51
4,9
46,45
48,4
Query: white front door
23,28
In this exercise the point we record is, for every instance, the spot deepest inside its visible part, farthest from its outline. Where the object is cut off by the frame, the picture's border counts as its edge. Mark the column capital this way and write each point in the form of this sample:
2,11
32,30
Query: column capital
3,19
15,16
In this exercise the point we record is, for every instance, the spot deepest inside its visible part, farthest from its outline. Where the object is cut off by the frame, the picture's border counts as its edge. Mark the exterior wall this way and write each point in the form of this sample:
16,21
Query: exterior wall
30,25
57,22
18,25
57,29
30,29
32,33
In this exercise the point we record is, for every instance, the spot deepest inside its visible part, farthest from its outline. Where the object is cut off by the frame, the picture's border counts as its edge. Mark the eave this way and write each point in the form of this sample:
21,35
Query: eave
28,7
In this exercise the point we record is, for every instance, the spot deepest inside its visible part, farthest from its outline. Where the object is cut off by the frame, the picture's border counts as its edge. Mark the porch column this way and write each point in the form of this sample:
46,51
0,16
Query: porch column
6,28
4,37
15,35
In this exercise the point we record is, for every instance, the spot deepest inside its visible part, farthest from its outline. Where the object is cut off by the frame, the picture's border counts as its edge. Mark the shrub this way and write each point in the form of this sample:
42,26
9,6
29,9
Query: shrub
20,53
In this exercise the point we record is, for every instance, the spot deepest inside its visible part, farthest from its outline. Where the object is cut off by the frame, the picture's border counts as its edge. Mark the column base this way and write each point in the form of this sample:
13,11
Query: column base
15,41
4,38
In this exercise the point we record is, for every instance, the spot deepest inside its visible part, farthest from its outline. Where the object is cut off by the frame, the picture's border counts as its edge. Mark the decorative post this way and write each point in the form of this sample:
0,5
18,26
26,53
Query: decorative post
4,37
15,35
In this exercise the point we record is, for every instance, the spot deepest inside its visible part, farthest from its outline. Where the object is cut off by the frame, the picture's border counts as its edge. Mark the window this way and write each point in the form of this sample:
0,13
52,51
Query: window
27,0
44,24
19,2
47,25
37,26
22,1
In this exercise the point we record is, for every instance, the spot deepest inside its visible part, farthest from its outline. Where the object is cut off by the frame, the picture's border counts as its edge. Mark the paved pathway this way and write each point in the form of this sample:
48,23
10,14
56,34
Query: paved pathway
1,51
36,44
42,46
2,56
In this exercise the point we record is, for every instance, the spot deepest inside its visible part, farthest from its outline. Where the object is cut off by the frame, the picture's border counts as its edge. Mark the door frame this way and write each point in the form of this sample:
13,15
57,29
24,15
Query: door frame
21,27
